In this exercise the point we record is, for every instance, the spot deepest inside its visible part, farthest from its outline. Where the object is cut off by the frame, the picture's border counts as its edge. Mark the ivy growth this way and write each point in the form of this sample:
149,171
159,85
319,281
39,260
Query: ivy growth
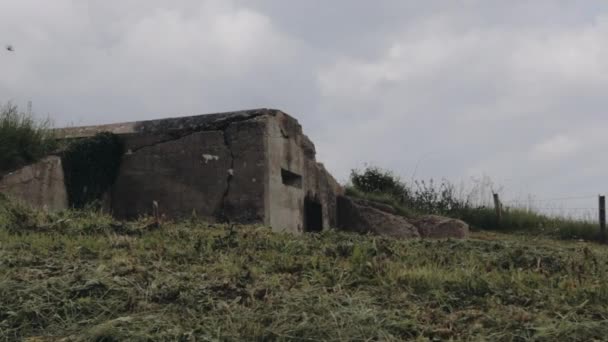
90,166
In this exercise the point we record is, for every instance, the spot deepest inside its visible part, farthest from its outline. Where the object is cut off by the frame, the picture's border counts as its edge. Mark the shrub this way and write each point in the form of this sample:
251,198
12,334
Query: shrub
23,140
377,180
381,198
435,198
426,197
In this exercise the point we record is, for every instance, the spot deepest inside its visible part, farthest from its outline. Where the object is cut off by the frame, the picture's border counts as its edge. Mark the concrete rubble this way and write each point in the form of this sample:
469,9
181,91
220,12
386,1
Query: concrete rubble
371,217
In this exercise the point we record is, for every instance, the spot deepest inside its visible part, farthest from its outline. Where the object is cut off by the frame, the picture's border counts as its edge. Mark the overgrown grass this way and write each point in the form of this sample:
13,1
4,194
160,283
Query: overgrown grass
383,198
81,276
530,222
23,139
425,198
513,220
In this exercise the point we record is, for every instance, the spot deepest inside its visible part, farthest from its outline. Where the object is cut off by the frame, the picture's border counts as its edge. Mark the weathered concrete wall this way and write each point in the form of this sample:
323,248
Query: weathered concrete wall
244,200
250,167
217,174
40,184
183,175
294,175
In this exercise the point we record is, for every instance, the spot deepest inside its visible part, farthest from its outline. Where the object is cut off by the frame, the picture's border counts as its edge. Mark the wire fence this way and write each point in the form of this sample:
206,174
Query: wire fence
569,198
579,206
582,207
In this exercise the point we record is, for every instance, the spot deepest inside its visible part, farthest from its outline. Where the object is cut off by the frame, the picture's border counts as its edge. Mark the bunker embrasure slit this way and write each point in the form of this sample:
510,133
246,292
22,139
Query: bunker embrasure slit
291,179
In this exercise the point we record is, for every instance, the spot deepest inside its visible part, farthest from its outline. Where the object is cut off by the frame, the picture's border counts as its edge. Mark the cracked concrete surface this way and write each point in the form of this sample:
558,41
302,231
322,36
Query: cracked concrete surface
254,166
40,184
221,212
172,174
222,167
194,172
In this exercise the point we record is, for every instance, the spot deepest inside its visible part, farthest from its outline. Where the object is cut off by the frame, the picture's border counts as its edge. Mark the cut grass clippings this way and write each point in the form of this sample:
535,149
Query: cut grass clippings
80,276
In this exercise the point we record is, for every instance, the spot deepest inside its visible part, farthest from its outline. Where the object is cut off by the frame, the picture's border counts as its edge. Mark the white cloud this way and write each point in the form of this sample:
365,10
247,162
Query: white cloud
555,148
478,98
159,62
231,39
514,90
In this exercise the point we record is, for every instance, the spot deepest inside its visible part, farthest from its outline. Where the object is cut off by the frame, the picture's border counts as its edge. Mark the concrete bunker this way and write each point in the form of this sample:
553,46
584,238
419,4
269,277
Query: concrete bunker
253,166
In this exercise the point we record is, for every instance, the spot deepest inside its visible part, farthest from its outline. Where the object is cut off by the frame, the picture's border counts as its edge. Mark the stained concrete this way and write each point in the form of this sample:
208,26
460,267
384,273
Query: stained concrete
40,184
255,166
292,152
174,174
252,166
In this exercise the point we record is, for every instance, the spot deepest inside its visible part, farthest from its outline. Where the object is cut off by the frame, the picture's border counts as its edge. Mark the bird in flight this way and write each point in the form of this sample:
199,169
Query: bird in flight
10,48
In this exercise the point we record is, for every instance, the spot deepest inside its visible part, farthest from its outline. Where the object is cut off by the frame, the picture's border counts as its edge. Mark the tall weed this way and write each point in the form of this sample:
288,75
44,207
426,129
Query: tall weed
23,139
472,205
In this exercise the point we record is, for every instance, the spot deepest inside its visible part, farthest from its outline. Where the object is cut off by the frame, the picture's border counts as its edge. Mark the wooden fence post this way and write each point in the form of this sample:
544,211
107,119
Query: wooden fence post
602,218
498,208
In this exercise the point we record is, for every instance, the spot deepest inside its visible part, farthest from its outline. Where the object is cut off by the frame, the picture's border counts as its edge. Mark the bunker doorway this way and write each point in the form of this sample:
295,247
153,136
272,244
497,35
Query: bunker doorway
313,215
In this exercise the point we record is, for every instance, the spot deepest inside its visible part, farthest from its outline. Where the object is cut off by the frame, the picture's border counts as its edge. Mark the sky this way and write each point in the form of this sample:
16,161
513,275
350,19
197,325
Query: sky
513,91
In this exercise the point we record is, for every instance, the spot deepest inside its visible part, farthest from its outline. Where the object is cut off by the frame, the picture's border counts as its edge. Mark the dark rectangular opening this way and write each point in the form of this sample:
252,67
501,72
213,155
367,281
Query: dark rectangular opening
313,215
291,179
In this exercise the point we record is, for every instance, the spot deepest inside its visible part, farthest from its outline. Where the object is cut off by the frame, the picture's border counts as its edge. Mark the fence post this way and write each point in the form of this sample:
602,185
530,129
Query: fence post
602,218
498,208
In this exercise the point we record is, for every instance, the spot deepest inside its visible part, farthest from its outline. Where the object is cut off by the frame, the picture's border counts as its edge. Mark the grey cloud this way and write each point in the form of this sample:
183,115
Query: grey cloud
451,89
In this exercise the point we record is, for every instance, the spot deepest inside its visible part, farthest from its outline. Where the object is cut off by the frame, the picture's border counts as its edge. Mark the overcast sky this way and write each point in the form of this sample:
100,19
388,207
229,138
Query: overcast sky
515,90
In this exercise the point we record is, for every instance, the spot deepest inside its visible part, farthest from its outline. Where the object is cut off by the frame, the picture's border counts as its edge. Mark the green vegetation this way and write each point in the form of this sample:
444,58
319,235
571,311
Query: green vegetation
530,222
384,198
420,197
374,180
80,275
23,139
91,166
430,197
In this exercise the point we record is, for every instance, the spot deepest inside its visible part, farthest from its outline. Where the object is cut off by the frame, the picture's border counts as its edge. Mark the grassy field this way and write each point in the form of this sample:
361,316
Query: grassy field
80,276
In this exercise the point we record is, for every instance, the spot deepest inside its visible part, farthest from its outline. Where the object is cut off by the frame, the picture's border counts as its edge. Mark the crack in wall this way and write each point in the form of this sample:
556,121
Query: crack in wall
160,142
215,126
222,210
